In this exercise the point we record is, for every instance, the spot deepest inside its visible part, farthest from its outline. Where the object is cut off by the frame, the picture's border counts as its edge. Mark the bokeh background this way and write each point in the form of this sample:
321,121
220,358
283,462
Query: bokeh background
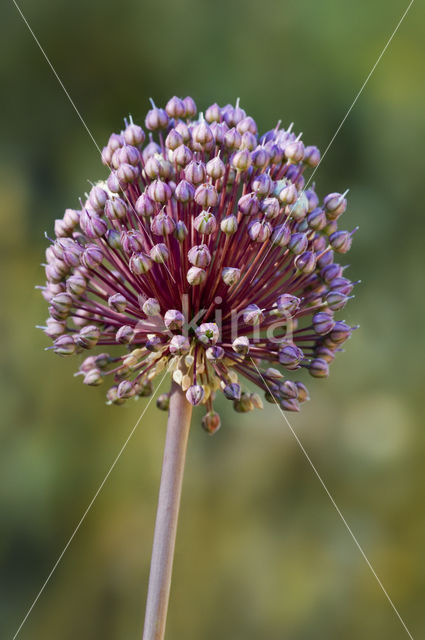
261,552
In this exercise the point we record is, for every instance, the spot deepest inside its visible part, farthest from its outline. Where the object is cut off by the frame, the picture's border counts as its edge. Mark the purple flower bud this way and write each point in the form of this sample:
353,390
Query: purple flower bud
55,328
117,302
113,183
281,235
340,333
64,345
195,172
184,192
230,275
175,108
219,130
289,404
195,394
336,300
88,337
140,263
247,124
232,391
206,195
311,156
330,272
134,135
241,345
259,231
288,304
241,160
316,219
271,208
113,238
196,275
213,113
116,209
323,323
303,394
260,157
179,345
248,205
340,241
76,285
93,378
211,422
288,389
180,231
115,141
127,173
335,205
262,184
173,319
159,191
174,140
151,307
305,262
162,224
205,223
290,356
233,115
229,225
92,225
199,256
343,285
156,119
294,151
252,314
92,256
288,194
318,368
215,168
71,218
132,242
232,139
145,206
182,155
128,155
298,243
159,253
202,135
183,129
207,333
124,335
190,107
62,303
215,353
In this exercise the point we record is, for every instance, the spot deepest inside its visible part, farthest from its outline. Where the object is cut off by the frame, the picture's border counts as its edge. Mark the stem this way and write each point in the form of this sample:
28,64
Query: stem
179,416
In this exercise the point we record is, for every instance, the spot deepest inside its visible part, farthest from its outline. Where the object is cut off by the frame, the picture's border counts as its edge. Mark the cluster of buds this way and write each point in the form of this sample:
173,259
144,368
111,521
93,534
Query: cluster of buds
203,252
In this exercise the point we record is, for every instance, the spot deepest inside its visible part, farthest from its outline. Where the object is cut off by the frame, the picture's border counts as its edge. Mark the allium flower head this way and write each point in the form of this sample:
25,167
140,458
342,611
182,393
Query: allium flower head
204,253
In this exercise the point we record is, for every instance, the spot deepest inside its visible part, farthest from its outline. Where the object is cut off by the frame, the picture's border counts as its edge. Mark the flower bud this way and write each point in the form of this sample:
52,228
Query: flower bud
248,205
340,333
206,195
323,323
232,139
259,231
125,334
151,307
195,172
92,257
196,275
207,333
88,336
318,368
287,304
252,314
199,256
281,235
76,285
145,206
303,394
340,241
190,107
335,205
202,135
162,224
311,156
93,378
298,210
262,184
159,191
241,345
134,135
230,275
247,124
91,225
294,151
159,253
288,194
175,108
298,243
336,300
140,263
173,319
305,262
115,209
260,157
117,302
113,238
229,225
244,405
156,119
232,391
289,404
317,219
213,113
290,356
330,272
154,344
184,192
270,208
64,345
180,231
195,394
179,345
241,160
163,401
211,422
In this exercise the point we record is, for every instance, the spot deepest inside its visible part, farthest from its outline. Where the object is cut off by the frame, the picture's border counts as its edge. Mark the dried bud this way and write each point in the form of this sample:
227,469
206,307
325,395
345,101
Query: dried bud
211,422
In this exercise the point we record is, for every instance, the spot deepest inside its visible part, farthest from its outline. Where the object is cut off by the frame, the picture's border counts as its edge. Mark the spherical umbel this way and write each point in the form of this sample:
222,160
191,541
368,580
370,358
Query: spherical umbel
206,252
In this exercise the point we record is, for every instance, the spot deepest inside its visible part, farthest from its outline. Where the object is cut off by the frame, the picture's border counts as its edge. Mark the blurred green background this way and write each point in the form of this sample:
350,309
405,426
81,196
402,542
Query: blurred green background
261,552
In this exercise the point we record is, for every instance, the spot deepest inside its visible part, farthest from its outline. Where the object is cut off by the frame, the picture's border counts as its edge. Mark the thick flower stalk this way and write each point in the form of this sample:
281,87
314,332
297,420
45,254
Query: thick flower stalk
201,252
